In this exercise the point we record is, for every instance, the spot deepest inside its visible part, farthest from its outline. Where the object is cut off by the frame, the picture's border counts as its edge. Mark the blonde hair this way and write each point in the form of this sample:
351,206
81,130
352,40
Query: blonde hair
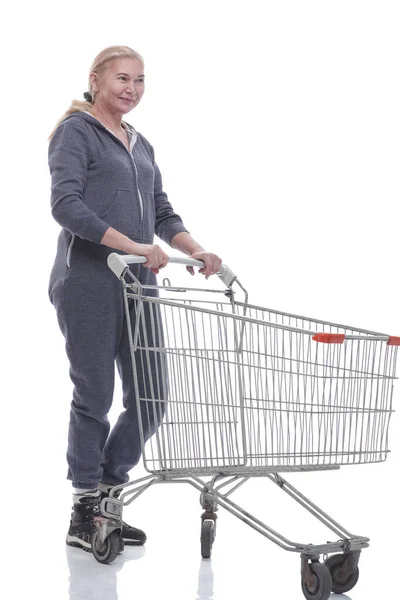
99,66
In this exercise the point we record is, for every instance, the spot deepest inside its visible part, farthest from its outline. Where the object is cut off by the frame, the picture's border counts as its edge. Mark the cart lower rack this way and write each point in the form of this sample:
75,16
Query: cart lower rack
232,391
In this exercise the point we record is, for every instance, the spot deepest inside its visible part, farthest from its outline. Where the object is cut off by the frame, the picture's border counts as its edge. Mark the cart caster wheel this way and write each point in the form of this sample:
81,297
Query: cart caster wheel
207,538
321,586
106,553
338,586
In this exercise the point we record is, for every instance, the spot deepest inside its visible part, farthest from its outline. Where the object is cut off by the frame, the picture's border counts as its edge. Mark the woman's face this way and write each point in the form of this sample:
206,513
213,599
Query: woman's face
121,86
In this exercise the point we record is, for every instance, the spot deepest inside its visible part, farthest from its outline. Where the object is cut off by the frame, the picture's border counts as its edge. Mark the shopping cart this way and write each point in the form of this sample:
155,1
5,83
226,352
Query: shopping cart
234,391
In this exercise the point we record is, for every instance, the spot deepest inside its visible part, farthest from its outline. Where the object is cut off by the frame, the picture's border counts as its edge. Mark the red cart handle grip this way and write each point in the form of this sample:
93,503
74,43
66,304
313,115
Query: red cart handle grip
329,338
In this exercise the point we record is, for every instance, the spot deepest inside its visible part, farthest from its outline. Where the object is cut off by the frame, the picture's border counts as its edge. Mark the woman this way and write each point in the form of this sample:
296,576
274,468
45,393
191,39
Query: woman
106,193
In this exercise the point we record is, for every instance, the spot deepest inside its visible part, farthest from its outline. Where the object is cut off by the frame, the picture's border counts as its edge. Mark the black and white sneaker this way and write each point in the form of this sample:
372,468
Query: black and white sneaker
85,508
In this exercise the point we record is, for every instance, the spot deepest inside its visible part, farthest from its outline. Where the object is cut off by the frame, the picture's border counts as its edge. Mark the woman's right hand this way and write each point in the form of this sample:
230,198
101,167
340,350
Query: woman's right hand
156,258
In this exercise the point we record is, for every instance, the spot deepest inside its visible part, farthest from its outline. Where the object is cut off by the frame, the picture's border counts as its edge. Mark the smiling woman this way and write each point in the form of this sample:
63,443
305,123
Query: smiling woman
118,65
106,193
117,90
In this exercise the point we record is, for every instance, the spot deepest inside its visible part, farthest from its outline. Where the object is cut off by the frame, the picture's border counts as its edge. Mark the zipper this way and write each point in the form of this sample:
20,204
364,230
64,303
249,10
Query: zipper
139,194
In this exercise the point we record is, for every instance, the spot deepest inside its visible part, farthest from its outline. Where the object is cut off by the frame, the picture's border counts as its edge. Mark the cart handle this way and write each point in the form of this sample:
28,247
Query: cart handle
118,263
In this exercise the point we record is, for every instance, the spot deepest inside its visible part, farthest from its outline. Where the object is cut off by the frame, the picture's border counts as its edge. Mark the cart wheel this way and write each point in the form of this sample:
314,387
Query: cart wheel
207,538
106,553
340,587
321,587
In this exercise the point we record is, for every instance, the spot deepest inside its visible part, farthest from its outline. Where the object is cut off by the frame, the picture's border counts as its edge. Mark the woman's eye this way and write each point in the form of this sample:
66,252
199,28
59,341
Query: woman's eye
140,80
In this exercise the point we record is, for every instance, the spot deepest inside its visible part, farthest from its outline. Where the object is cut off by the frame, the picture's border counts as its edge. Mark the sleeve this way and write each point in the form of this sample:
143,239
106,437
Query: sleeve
168,223
69,156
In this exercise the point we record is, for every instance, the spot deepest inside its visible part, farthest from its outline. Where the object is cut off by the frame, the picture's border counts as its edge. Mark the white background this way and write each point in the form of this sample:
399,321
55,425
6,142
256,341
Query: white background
276,129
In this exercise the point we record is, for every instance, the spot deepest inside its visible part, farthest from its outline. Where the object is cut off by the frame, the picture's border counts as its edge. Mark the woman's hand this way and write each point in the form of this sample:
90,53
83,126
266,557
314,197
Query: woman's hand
212,263
156,258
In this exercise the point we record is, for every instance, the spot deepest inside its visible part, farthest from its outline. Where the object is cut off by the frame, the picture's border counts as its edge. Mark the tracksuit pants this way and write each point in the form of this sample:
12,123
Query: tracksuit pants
89,303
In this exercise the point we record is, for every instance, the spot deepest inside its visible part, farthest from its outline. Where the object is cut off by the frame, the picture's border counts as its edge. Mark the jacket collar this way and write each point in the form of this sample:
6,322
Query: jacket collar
87,116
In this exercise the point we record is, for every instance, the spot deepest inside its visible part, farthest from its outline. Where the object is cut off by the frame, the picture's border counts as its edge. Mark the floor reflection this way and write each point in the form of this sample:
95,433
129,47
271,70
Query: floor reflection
205,589
90,580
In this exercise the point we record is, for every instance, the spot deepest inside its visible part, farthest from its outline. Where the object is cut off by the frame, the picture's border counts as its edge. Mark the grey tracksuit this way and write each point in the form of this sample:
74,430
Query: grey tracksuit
97,183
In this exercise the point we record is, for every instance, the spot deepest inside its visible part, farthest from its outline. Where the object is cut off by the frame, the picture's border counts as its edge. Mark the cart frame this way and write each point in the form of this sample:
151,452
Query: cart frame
368,373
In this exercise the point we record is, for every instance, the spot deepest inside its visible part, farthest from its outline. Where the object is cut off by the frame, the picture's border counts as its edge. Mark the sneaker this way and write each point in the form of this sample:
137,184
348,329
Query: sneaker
81,525
131,536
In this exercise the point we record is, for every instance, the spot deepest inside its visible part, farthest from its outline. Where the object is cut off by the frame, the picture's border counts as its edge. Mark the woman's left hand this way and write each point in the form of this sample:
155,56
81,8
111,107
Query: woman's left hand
212,263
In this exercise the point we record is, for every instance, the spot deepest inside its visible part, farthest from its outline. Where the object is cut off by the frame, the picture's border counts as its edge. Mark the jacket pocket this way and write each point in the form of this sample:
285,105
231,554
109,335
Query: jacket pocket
123,214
